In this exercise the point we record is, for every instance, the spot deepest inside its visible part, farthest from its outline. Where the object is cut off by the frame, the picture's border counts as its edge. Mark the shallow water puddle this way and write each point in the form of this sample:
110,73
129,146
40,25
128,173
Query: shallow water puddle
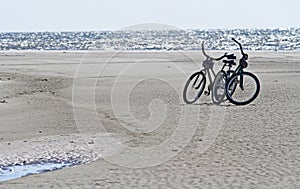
17,171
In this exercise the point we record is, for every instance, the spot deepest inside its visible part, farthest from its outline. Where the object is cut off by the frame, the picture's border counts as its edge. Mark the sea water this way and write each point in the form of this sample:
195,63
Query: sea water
17,171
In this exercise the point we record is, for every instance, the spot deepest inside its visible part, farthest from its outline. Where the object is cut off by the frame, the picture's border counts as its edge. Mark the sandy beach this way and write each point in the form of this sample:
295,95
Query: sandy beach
122,116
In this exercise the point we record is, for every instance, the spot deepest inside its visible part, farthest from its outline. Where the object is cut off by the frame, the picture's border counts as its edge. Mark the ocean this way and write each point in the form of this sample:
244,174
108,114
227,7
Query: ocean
215,39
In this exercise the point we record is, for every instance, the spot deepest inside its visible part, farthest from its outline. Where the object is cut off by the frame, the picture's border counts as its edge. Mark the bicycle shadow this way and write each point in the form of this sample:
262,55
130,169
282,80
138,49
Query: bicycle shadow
212,104
208,104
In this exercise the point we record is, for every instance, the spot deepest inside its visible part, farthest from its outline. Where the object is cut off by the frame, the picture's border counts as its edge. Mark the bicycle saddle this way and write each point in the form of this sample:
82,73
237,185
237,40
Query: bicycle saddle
230,56
230,62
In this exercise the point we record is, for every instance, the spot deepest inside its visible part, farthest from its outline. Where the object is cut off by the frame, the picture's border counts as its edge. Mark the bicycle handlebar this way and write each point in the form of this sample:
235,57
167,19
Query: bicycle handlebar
241,48
207,56
243,60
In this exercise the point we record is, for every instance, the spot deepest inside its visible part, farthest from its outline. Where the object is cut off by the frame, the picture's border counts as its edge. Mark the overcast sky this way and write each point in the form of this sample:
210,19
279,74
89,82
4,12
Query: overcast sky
82,15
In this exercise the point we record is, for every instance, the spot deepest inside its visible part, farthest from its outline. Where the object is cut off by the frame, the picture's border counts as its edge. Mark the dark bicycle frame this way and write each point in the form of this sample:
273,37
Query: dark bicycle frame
242,64
239,70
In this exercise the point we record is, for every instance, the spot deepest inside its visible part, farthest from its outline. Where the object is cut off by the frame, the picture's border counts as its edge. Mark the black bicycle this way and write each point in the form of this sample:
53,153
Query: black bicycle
239,87
195,84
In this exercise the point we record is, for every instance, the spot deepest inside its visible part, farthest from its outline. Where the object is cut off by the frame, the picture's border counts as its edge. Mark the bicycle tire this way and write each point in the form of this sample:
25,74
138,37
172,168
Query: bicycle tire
249,81
218,93
198,87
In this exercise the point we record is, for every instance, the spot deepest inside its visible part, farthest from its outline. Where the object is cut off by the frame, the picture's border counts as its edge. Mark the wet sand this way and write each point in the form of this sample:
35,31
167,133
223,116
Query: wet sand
97,106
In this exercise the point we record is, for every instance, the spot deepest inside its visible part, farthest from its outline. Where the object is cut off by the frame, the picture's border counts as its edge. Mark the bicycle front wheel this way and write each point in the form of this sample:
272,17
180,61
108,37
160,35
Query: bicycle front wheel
194,87
246,87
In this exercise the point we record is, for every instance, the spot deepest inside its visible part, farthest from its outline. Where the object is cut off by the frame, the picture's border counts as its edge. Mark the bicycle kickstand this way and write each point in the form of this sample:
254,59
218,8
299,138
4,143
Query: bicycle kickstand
207,93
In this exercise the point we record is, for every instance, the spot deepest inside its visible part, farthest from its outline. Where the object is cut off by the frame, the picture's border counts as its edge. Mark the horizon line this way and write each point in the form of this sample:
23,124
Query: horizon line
179,29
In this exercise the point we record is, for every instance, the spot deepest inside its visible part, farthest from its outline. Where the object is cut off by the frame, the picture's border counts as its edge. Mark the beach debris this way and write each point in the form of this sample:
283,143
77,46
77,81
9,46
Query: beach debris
3,101
91,142
5,79
22,93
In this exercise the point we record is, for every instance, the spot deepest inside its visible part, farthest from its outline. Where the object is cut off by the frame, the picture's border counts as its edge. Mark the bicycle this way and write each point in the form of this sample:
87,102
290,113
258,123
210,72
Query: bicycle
198,79
218,94
241,87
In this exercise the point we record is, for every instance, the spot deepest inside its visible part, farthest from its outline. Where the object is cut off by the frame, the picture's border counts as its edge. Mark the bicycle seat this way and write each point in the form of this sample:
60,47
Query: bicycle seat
230,62
230,56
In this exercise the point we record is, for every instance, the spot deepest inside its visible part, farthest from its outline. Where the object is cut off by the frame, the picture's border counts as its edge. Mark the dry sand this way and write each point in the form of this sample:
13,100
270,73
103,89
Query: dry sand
90,106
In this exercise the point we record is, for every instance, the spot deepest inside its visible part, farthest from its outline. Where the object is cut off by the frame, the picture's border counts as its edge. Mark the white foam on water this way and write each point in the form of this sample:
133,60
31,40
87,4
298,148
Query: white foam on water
18,171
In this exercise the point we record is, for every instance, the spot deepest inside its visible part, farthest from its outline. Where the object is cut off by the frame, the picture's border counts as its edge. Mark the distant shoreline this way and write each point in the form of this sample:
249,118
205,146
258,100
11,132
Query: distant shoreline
162,40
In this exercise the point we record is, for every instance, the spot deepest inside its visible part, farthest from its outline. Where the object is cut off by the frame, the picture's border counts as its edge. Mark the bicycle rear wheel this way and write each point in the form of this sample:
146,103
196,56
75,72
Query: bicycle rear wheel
218,94
247,88
194,87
